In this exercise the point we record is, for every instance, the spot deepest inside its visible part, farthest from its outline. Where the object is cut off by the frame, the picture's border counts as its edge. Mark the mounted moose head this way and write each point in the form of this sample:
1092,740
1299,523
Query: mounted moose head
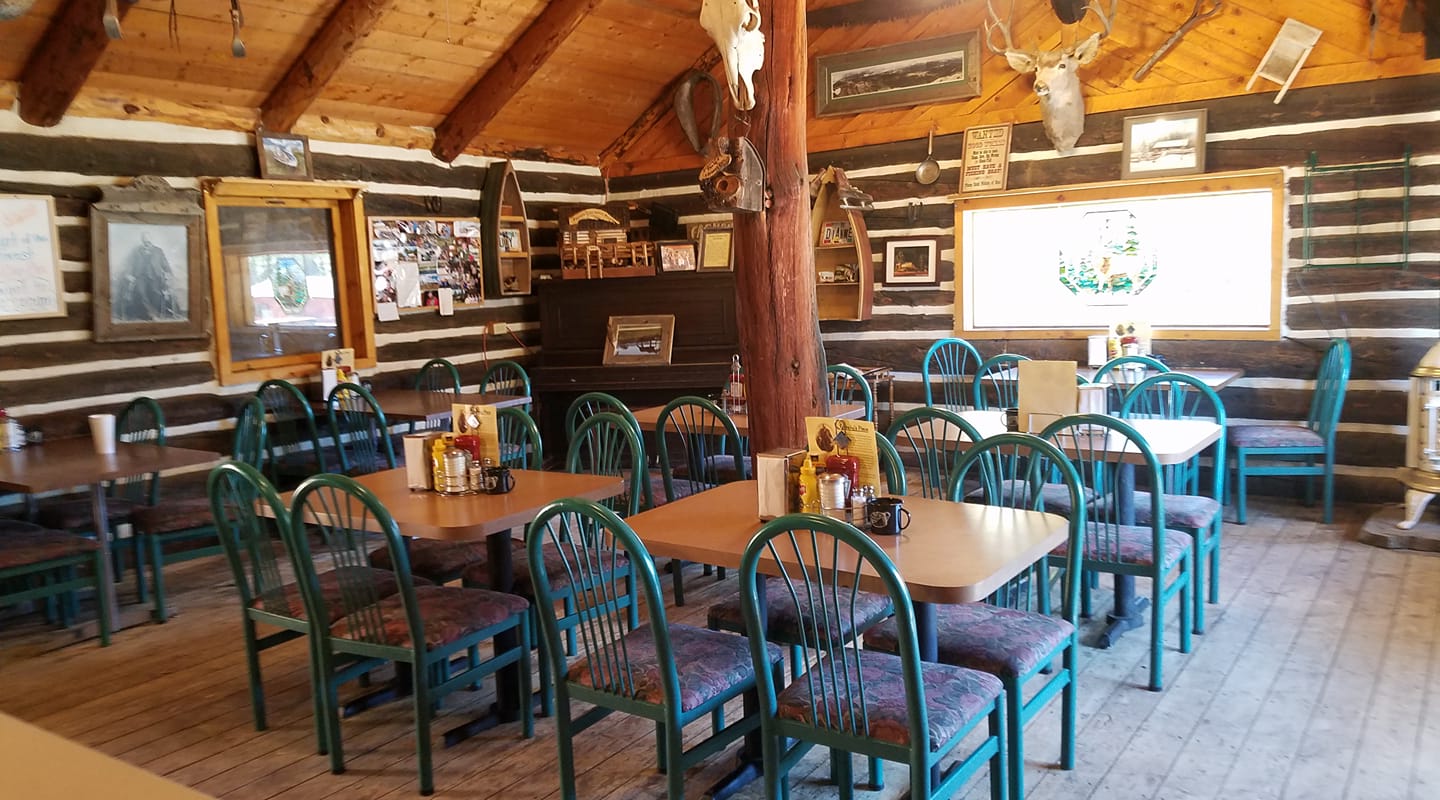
1062,106
735,27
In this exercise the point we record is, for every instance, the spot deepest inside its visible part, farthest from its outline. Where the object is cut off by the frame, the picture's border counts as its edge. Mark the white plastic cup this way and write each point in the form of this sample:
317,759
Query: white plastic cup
102,431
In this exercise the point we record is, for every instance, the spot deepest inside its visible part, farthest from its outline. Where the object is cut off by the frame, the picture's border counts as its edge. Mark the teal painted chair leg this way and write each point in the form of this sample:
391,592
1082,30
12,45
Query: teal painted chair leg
102,599
565,748
1069,708
1241,479
877,774
1015,758
1215,562
675,755
423,711
676,568
1329,489
157,562
1197,584
142,590
257,691
999,763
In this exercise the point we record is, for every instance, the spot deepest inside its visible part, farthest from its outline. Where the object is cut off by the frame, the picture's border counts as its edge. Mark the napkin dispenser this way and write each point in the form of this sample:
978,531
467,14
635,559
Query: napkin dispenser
773,470
419,470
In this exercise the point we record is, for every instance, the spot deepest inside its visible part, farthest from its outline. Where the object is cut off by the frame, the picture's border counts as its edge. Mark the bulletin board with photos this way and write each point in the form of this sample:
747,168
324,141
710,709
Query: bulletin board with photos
416,258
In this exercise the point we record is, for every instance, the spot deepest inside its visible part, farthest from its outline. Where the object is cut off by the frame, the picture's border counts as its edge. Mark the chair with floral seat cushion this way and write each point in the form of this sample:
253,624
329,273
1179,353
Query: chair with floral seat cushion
1308,444
1111,459
1125,373
1012,634
880,705
423,626
946,371
929,441
506,377
359,430
295,451
37,563
997,383
668,673
593,403
699,448
1200,513
846,385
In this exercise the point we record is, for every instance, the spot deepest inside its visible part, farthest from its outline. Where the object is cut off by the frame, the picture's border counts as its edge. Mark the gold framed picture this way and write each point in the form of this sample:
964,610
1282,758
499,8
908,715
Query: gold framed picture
717,249
639,339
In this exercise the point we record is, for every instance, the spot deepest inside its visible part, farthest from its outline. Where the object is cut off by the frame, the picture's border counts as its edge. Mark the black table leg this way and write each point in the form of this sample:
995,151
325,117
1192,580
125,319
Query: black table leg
500,572
1129,611
750,761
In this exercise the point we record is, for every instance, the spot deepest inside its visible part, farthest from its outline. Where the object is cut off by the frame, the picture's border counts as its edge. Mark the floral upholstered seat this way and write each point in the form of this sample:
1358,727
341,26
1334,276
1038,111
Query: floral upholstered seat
288,600
1181,510
708,664
954,697
1134,544
449,613
435,560
1274,436
21,547
1000,641
782,624
1055,496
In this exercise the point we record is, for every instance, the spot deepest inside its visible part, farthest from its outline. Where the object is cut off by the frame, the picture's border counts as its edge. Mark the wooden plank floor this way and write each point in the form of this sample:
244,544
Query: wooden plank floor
1318,677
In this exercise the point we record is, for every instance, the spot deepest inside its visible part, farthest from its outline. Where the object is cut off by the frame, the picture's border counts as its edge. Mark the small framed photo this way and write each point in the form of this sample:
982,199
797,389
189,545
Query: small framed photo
717,248
1160,145
509,240
284,156
912,261
677,256
639,340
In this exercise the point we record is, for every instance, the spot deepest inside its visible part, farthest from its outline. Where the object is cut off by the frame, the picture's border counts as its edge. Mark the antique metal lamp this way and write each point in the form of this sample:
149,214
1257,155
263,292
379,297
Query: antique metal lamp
1421,473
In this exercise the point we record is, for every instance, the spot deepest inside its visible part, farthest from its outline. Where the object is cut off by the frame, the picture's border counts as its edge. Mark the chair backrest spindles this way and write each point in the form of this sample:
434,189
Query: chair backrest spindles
699,447
360,430
945,373
606,444
291,422
236,491
1177,395
929,438
1330,385
520,445
249,443
140,422
997,381
438,375
846,385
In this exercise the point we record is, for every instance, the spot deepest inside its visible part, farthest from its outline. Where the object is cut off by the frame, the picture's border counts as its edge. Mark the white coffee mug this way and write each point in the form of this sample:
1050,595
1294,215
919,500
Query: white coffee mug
102,431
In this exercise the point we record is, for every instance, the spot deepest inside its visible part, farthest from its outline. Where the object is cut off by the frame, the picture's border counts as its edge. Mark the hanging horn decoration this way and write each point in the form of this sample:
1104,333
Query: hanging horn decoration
237,47
685,107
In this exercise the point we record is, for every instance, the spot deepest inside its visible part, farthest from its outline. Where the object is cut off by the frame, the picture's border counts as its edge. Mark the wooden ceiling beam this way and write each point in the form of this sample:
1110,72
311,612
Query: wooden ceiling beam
657,111
347,26
63,60
508,75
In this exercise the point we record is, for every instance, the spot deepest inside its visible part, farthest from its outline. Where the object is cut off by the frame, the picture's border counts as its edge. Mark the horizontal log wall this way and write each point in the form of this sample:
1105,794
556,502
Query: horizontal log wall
52,372
1391,315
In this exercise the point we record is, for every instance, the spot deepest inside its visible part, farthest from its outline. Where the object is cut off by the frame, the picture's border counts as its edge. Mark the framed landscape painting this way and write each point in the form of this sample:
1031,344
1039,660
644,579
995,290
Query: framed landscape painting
905,74
911,261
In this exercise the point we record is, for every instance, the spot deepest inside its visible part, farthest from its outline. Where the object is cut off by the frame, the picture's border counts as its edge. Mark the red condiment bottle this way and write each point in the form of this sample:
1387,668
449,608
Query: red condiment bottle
849,466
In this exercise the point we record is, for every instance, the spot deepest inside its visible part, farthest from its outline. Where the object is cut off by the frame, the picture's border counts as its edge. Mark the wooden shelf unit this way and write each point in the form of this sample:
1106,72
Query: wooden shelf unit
841,299
507,274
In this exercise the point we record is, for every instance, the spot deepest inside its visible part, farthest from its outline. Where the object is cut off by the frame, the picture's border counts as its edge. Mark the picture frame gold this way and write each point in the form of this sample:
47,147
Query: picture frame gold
677,256
717,249
639,340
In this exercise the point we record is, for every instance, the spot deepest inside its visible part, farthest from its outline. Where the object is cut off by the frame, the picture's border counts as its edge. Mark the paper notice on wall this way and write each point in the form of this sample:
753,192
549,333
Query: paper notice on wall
30,281
825,436
447,303
987,158
387,312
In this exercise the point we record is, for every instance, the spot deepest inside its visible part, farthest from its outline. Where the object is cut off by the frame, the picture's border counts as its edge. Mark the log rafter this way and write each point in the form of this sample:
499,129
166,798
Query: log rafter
508,75
63,60
658,110
346,27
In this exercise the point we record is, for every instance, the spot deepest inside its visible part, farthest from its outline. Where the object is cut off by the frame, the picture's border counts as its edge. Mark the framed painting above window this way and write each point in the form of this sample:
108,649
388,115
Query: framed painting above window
1161,145
927,71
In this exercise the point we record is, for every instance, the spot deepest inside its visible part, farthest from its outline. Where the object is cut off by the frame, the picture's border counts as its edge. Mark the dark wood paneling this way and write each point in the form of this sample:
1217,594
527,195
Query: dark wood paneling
1331,280
133,382
1421,312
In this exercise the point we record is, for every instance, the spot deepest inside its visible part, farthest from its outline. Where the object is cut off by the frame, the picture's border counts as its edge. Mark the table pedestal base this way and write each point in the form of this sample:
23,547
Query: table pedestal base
1129,612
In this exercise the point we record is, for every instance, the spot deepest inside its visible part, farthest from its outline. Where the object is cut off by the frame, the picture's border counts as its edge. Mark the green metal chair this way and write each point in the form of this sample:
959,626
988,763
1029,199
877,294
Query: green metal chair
595,402
1097,445
249,442
1176,395
1125,373
359,430
506,377
438,375
1012,634
293,437
41,564
607,444
426,627
846,385
945,372
993,387
1313,442
520,445
851,700
668,673
707,451
932,439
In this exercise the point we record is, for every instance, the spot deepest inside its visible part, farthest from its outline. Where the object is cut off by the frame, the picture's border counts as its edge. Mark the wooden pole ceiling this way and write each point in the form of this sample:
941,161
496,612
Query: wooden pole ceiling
347,26
508,75
63,59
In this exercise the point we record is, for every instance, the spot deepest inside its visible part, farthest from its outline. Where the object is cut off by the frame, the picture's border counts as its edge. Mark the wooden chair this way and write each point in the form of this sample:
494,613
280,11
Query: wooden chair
945,372
293,436
1175,395
851,700
426,627
707,451
507,377
1013,635
1313,442
359,430
846,385
995,389
668,673
1096,444
930,439
41,564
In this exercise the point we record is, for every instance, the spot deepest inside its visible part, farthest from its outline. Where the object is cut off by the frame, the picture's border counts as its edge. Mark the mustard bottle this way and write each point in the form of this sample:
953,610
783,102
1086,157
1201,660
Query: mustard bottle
809,487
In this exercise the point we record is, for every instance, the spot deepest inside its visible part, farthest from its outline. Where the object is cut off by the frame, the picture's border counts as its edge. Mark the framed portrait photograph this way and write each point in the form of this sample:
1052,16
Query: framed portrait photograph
639,340
905,74
677,256
717,248
284,156
1160,145
509,240
149,275
912,261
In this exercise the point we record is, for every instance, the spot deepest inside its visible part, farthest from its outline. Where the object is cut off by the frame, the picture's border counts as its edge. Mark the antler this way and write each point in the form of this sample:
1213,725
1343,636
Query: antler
993,24
1105,19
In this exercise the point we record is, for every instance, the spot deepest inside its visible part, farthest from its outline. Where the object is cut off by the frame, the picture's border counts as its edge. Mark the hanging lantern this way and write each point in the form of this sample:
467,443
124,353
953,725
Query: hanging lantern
1421,473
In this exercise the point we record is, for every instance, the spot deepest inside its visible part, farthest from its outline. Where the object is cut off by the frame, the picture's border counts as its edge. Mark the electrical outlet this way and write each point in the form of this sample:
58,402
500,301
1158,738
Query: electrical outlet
499,327
124,530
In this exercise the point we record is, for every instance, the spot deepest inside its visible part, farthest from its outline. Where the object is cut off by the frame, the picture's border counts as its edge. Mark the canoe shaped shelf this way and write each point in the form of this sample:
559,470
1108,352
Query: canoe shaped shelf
505,234
844,270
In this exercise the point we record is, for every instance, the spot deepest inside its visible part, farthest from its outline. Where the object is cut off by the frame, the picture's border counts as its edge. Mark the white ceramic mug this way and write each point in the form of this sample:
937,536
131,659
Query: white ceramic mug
102,431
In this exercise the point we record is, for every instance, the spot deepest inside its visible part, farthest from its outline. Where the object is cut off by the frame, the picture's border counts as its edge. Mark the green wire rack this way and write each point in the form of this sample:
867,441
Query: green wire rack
1361,238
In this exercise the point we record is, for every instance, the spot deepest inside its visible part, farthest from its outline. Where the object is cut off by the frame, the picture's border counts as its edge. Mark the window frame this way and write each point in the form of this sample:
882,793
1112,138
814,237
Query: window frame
354,303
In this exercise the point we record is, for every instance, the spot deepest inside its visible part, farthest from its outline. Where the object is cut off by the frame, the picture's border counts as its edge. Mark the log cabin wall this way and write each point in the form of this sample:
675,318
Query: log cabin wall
1391,315
52,372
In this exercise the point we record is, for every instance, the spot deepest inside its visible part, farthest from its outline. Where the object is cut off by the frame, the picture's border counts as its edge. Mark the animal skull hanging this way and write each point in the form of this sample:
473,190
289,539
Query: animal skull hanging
1062,104
735,27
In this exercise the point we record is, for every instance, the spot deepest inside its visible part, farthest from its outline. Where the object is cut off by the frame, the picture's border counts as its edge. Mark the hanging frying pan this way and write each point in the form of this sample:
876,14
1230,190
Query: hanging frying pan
929,170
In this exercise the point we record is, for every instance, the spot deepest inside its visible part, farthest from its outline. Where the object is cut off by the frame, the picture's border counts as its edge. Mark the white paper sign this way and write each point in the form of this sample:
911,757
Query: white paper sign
30,282
447,303
388,312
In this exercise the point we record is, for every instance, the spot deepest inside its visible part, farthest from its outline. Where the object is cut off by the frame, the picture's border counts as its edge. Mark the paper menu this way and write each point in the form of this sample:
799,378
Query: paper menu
826,436
478,420
336,367
1046,393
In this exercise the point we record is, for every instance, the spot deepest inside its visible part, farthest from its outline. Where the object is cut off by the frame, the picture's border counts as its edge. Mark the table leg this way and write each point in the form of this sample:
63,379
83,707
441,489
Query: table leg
1129,611
500,572
750,761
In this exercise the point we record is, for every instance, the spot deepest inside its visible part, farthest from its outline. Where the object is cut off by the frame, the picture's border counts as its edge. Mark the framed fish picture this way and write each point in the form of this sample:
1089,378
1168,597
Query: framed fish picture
284,156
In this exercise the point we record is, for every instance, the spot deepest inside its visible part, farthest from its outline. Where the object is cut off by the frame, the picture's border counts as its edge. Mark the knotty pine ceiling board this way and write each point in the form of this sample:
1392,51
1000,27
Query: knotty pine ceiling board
21,35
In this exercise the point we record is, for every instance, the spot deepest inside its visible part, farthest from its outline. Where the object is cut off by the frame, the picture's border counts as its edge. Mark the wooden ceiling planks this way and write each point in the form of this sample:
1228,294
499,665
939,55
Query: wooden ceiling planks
343,31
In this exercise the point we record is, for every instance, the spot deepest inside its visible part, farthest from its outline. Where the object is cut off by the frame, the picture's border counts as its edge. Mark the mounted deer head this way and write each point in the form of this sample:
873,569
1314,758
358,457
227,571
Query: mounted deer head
735,27
1062,106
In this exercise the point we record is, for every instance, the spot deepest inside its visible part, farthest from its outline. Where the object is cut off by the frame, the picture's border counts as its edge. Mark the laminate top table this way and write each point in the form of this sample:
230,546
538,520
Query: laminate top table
1173,441
409,405
950,553
1215,378
650,417
38,765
